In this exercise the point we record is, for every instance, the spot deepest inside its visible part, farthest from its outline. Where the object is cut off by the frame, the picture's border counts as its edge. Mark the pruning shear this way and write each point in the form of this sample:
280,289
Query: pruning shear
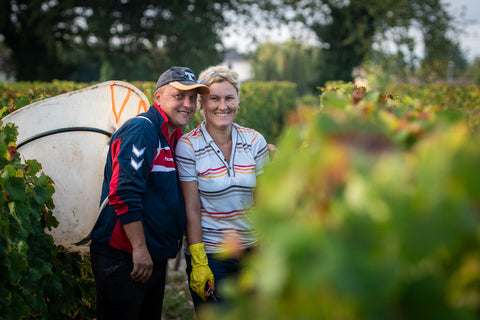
210,291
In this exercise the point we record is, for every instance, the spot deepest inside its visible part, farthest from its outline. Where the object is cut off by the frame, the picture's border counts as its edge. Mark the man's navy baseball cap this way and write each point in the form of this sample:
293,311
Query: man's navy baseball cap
181,78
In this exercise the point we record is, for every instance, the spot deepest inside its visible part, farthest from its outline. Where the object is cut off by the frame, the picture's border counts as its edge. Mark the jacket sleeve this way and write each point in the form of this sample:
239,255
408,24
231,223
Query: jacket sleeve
132,152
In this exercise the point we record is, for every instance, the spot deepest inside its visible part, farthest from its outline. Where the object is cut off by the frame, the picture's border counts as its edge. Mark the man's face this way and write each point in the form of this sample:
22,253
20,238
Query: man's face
179,105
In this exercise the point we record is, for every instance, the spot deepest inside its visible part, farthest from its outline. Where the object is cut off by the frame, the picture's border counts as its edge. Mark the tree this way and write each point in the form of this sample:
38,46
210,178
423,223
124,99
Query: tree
290,61
349,37
348,29
127,39
40,34
442,56
473,70
178,32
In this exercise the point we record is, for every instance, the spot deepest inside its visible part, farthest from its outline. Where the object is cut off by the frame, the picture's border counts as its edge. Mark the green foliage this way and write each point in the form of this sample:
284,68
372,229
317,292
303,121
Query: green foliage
369,210
178,302
42,37
19,94
264,106
473,71
36,280
454,101
291,61
125,39
350,31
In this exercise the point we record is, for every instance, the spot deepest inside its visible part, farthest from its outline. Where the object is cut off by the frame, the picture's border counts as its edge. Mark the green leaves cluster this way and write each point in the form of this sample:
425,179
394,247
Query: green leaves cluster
103,40
359,223
455,101
291,61
366,33
368,210
19,94
36,280
265,106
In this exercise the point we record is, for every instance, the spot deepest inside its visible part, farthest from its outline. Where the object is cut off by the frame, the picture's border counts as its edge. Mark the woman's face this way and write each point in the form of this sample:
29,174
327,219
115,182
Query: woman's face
221,105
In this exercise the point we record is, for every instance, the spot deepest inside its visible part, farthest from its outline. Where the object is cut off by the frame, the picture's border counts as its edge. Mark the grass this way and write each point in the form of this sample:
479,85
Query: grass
177,304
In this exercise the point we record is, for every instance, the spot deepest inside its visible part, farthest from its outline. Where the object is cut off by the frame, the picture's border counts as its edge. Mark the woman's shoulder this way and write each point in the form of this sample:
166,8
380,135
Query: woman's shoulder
242,128
194,134
191,140
250,133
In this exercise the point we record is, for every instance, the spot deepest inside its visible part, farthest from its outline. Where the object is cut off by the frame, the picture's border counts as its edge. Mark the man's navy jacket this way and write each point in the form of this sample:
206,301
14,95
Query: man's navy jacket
141,183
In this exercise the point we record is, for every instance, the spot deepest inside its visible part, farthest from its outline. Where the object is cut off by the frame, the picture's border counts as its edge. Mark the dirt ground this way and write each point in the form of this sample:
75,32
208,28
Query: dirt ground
177,304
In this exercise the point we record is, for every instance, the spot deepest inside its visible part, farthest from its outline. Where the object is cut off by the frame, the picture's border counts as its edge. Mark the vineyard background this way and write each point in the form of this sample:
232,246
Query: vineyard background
368,210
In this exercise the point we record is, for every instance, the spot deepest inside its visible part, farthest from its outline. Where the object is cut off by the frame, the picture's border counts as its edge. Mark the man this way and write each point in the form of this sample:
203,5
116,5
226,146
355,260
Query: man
143,221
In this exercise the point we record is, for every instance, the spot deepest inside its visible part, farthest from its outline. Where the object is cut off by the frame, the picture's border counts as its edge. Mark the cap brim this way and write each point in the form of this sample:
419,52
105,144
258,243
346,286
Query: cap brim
202,89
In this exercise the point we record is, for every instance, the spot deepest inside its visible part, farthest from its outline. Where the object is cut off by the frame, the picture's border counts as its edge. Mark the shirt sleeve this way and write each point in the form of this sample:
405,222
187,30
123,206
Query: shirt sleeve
260,151
185,160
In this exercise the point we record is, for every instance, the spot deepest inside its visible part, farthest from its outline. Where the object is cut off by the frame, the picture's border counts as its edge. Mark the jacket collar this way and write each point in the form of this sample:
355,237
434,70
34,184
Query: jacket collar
163,125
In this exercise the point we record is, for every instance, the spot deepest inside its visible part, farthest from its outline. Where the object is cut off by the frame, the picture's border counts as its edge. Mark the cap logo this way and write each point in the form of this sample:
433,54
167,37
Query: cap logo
181,78
189,75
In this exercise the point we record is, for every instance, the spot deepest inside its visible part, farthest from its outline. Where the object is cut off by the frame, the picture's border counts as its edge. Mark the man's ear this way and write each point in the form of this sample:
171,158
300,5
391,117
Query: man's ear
157,97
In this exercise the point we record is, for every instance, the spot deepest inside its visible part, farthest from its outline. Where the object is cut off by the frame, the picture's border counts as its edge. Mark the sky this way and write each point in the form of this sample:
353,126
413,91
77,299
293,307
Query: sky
469,23
466,14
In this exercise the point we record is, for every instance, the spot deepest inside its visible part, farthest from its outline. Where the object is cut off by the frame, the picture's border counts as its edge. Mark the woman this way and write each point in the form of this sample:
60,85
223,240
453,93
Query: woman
217,164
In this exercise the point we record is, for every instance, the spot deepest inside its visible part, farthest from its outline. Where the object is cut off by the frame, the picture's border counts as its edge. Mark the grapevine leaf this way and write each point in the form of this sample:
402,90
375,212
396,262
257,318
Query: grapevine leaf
50,221
34,168
16,188
17,308
41,195
36,302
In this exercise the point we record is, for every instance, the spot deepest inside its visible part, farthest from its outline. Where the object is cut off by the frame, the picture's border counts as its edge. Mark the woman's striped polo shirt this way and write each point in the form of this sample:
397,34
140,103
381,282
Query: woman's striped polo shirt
225,187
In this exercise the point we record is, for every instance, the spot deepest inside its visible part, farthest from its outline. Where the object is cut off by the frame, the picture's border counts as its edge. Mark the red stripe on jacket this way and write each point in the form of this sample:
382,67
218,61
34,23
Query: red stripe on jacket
119,239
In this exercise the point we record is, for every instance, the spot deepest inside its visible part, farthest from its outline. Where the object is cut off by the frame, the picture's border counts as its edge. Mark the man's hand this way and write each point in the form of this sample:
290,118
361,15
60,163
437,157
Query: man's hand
142,264
142,261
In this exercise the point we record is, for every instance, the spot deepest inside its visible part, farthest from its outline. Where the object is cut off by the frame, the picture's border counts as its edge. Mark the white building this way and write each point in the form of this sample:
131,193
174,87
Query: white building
238,63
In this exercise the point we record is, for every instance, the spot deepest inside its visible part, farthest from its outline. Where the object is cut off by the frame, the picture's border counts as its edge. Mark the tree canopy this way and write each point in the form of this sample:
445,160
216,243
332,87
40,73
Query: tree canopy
122,38
290,61
136,39
348,30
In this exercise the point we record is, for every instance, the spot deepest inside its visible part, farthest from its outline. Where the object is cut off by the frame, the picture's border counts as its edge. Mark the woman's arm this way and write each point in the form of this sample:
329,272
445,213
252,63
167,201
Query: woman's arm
192,210
201,272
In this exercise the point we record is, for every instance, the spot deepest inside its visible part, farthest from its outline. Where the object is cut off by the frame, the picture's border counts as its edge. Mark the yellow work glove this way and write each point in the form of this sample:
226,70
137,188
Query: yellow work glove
201,272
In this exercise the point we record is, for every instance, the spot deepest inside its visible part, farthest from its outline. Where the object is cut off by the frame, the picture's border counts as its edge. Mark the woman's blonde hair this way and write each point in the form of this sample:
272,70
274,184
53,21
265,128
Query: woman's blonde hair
219,74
